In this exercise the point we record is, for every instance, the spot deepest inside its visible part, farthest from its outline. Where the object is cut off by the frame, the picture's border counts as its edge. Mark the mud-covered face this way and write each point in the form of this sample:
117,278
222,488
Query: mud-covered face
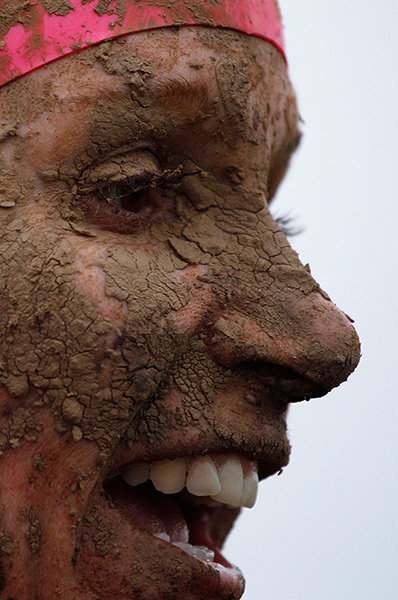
154,321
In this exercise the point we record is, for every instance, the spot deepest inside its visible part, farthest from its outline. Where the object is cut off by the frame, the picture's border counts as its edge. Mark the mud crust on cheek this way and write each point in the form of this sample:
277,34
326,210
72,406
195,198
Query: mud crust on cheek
51,342
65,350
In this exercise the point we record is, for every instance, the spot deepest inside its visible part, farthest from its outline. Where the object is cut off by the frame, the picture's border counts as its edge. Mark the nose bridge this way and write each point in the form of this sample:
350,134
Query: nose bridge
281,316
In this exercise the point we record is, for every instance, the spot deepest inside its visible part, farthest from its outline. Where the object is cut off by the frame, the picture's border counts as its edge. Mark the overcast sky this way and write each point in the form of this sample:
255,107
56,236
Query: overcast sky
327,529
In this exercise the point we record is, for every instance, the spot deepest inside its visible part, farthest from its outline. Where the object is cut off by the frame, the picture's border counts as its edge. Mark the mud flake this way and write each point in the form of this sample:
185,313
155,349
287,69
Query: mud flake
103,537
72,410
21,426
61,8
39,463
34,534
6,542
77,433
81,481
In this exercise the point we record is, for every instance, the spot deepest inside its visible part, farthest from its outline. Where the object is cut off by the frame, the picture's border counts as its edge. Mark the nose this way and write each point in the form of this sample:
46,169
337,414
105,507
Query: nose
289,329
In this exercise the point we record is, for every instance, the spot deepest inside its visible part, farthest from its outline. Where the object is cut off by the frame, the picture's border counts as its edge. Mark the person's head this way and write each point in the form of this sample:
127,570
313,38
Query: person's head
154,320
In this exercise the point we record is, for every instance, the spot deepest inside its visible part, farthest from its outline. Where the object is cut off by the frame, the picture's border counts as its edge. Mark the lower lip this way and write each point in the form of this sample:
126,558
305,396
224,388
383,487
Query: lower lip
219,581
172,570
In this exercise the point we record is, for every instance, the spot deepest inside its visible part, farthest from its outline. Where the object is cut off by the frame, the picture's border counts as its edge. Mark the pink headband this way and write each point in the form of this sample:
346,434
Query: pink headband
34,33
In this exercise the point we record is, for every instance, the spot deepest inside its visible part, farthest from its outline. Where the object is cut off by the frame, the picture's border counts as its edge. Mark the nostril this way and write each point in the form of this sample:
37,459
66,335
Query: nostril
296,387
269,371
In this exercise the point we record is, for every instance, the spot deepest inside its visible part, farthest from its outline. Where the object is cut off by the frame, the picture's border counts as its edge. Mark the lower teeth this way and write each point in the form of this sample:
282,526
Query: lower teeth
162,536
200,552
204,553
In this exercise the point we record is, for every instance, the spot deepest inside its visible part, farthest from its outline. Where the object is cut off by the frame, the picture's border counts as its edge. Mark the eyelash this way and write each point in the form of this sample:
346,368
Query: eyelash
287,224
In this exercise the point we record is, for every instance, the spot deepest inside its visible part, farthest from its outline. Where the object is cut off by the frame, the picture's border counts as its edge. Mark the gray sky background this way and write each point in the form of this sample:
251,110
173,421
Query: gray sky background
327,529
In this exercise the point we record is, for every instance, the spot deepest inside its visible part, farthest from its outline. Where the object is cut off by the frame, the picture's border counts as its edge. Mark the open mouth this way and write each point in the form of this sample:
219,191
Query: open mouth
188,503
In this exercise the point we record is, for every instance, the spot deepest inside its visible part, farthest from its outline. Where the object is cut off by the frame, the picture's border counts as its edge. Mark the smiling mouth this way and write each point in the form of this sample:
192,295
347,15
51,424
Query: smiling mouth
188,503
164,514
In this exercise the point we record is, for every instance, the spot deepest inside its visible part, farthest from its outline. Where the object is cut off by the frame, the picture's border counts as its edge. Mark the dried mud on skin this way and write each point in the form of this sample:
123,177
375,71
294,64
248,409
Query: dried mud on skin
96,366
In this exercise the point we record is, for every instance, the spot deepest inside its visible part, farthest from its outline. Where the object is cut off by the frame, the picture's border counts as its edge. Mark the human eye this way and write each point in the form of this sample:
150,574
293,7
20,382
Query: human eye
126,194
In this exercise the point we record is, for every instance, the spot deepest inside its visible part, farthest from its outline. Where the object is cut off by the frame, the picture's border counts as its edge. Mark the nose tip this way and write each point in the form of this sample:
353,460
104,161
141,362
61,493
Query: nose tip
328,346
311,338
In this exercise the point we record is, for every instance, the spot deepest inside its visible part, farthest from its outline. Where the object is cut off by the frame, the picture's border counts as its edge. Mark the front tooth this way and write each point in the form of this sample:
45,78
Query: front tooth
231,479
203,479
168,476
250,487
136,474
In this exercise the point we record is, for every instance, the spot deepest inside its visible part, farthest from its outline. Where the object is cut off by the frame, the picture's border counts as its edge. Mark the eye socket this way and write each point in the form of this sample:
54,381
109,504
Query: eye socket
129,206
128,193
131,196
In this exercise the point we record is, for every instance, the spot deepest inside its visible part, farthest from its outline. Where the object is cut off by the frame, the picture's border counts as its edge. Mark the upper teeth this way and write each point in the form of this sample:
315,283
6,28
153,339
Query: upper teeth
227,480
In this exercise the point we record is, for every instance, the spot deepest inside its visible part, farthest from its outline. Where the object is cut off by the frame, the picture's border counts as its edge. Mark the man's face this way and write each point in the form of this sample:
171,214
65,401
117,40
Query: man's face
154,320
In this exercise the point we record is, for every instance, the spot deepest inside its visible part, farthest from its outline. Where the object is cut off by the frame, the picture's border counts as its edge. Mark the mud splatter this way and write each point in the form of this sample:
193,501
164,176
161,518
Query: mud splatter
6,542
34,532
57,7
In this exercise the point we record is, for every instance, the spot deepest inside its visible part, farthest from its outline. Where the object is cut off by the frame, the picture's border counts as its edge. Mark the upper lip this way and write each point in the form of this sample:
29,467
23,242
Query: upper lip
277,386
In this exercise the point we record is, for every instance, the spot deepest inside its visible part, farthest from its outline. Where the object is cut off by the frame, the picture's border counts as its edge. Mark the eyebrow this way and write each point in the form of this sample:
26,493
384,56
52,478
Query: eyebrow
180,95
185,98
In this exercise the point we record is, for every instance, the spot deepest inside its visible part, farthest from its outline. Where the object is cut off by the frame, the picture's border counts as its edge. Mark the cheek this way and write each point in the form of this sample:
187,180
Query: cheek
92,329
188,318
56,327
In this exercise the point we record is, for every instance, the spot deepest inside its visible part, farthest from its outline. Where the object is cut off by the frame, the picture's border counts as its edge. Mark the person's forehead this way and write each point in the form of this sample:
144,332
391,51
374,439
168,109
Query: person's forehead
152,56
188,53
93,93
